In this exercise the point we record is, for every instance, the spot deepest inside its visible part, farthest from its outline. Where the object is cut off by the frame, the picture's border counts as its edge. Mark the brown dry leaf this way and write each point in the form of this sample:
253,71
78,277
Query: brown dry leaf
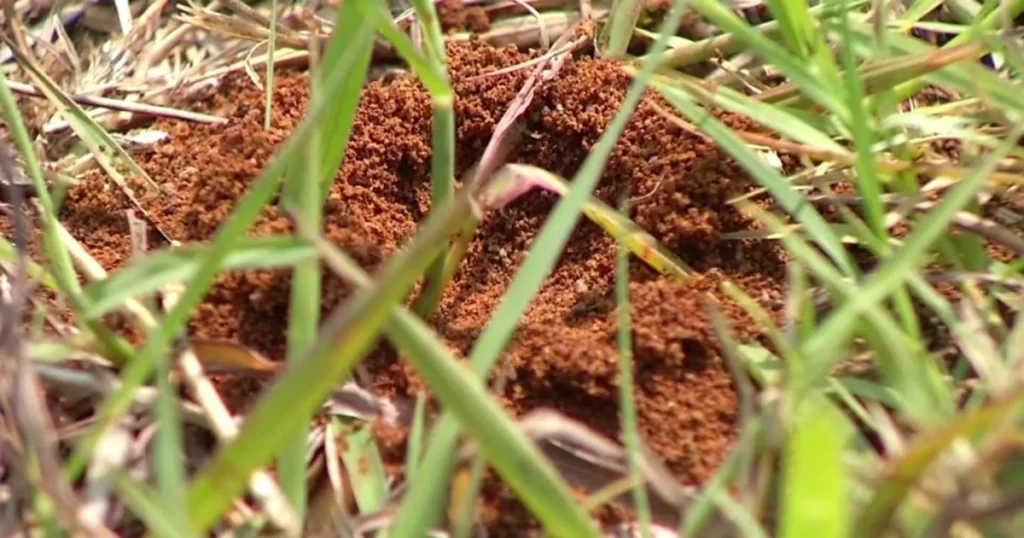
221,356
503,140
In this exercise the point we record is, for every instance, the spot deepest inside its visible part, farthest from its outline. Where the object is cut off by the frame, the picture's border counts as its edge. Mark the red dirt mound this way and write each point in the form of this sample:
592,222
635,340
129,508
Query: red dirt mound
564,354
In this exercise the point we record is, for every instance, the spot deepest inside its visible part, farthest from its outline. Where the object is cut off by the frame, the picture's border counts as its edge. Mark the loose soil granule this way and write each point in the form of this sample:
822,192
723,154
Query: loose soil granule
564,354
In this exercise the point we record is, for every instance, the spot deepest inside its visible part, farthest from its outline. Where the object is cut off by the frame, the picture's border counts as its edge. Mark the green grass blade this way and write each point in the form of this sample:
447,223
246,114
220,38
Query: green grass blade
902,359
906,260
762,363
622,19
418,512
433,36
989,17
814,501
560,223
702,513
351,46
150,508
787,197
776,117
345,338
420,508
303,314
95,137
868,183
903,473
738,515
246,212
728,43
323,154
414,452
872,391
969,78
57,254
157,344
883,75
33,270
764,367
517,459
800,31
627,401
346,47
155,270
435,81
790,26
442,163
433,75
916,11
169,462
365,469
792,66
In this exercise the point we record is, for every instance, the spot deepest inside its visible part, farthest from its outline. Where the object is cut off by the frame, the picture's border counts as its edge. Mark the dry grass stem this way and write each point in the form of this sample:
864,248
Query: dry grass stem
126,106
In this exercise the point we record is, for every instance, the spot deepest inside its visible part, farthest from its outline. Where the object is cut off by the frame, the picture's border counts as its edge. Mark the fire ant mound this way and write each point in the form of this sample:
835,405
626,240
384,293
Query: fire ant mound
564,354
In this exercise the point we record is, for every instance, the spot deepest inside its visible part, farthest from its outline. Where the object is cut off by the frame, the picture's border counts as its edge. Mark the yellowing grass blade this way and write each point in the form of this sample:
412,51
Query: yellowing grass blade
514,180
220,356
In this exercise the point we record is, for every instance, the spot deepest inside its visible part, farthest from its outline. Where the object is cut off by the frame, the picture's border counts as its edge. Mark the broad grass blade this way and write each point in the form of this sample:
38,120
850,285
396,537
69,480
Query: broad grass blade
152,272
815,497
365,469
345,338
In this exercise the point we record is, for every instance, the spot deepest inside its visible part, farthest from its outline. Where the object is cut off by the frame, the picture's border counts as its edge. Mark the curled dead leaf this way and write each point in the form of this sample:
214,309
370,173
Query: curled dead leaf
226,357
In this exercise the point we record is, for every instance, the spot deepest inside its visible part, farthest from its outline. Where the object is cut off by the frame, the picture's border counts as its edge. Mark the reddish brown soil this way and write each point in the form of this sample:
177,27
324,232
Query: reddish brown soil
457,17
564,355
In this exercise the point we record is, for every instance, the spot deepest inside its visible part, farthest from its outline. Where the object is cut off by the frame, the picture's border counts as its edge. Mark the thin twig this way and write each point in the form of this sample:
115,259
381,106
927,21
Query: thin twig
124,16
545,41
566,47
126,106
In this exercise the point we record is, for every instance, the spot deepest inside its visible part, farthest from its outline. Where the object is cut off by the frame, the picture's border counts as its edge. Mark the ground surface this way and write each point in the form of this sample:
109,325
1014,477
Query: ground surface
564,355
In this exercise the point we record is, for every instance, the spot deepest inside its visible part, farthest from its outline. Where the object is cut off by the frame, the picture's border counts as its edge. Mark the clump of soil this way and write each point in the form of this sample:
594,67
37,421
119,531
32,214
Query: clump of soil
455,16
564,353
